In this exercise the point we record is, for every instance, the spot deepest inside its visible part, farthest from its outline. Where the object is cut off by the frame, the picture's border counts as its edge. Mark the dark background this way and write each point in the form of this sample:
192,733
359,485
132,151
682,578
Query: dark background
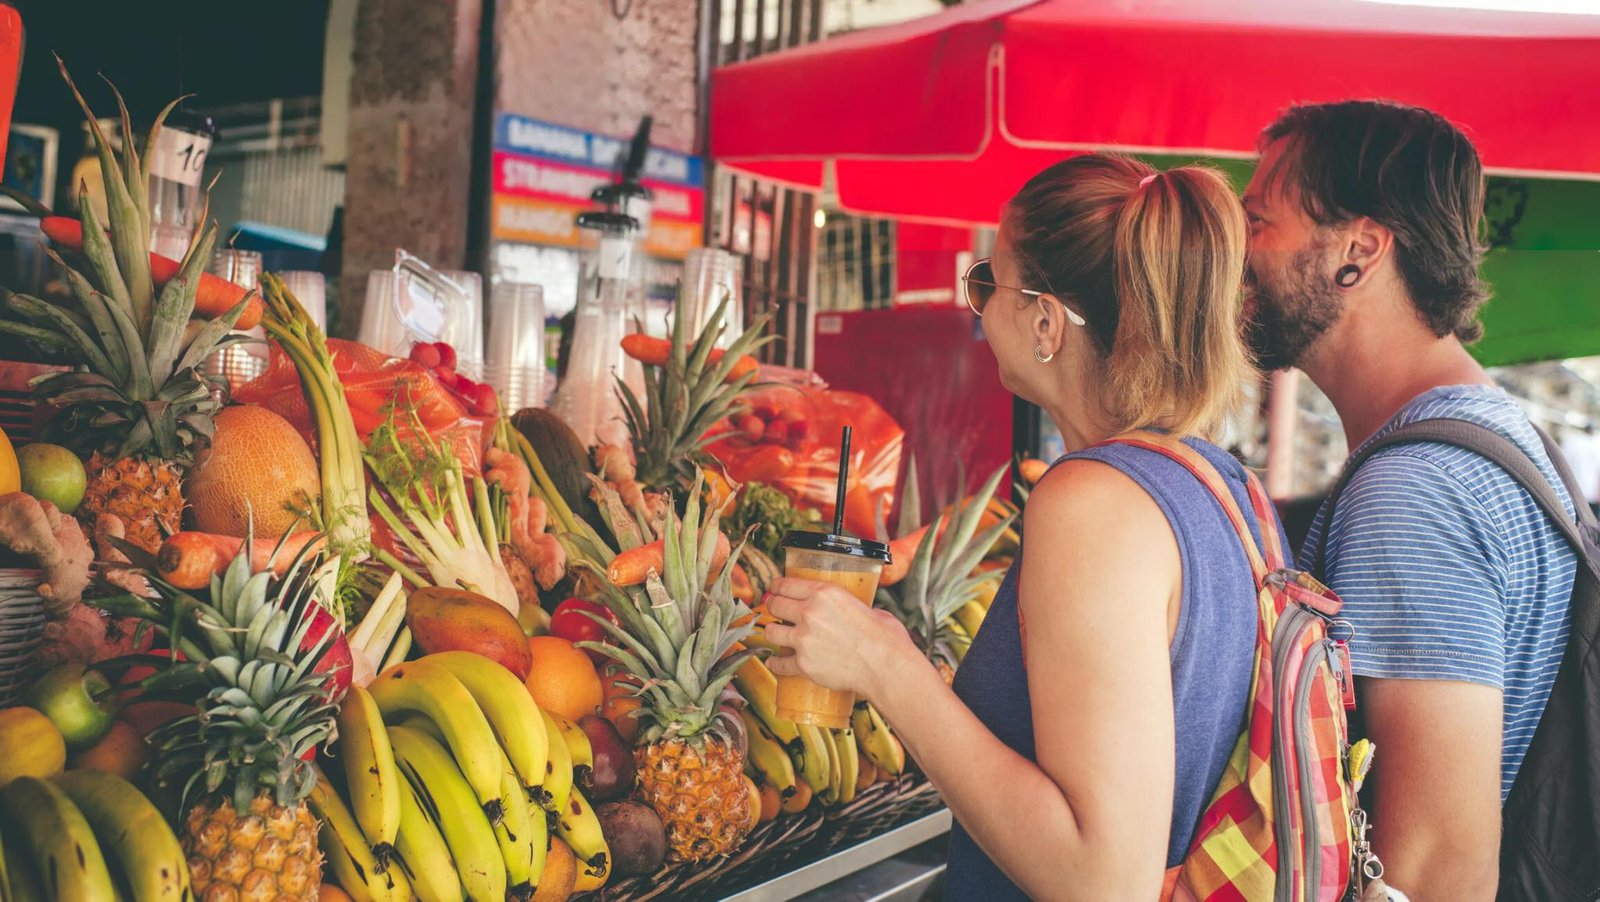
226,51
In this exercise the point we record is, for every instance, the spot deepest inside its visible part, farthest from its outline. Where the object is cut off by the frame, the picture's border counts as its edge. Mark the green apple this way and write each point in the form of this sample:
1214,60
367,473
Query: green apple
78,701
52,473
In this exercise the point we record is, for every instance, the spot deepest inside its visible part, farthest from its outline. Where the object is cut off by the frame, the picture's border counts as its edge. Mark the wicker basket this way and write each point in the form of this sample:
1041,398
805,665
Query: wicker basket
16,397
770,845
22,622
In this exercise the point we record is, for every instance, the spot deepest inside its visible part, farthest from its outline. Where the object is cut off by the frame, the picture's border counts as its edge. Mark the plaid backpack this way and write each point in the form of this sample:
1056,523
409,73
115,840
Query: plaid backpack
1284,823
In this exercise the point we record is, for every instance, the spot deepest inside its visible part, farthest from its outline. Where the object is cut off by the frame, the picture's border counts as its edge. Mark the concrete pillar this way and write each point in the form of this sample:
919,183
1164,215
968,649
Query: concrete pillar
411,127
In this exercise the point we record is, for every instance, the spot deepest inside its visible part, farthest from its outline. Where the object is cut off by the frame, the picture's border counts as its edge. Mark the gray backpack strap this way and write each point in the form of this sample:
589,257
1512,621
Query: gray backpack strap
1498,450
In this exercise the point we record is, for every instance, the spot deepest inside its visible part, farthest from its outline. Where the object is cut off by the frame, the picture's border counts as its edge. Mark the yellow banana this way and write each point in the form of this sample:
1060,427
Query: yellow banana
986,593
558,772
770,762
5,878
960,639
52,833
759,686
517,836
970,616
448,801
579,827
370,777
830,793
423,854
347,851
131,830
877,742
428,688
844,742
579,747
811,760
22,879
512,712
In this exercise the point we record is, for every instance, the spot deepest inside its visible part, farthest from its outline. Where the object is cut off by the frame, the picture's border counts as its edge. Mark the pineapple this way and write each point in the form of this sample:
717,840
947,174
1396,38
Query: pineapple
240,768
138,404
677,640
684,399
941,578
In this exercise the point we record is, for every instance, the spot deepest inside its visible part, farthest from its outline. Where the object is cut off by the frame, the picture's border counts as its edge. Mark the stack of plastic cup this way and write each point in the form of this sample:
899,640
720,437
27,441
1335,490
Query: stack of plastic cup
711,275
514,354
241,362
381,326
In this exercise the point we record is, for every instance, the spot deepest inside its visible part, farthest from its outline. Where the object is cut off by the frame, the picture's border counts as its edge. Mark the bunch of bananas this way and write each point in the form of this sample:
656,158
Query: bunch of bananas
453,783
65,837
803,762
963,625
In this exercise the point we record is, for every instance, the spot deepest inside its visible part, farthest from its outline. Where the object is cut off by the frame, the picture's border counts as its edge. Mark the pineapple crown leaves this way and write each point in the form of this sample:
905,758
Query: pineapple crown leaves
687,397
940,579
677,632
248,664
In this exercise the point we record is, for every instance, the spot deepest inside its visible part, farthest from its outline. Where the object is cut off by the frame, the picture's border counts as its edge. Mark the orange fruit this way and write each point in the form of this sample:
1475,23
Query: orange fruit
560,874
799,801
328,892
771,801
752,794
121,751
563,680
619,701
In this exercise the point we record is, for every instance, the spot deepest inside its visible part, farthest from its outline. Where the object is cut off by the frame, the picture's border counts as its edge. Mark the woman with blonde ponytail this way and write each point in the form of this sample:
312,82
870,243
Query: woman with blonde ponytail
1097,708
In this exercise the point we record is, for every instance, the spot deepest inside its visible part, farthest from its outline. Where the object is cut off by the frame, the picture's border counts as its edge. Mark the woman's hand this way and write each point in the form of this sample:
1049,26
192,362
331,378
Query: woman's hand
838,642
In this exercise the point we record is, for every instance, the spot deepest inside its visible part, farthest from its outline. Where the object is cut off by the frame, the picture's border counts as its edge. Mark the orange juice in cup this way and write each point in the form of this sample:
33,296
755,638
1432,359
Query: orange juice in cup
853,564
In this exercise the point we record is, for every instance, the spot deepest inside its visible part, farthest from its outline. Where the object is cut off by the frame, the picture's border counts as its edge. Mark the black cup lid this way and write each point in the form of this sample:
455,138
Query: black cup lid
821,541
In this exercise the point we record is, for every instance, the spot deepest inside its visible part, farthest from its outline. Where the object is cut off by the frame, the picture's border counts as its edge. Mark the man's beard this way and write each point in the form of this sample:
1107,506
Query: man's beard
1291,309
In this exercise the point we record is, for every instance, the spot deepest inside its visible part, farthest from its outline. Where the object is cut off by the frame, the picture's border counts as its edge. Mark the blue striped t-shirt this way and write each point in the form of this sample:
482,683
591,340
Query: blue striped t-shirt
1449,570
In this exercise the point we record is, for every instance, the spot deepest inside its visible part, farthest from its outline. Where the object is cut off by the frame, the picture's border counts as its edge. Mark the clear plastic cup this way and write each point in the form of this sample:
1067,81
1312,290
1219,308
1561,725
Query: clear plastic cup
853,564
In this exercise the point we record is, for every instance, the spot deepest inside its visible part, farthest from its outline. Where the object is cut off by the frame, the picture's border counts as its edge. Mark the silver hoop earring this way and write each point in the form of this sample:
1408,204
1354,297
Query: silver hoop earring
1041,356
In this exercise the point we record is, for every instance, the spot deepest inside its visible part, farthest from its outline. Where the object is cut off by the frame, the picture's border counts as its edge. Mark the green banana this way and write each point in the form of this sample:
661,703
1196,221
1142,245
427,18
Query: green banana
518,838
877,742
371,778
581,750
132,831
423,854
844,742
22,881
557,784
579,827
347,851
448,801
769,760
759,686
811,760
54,834
428,688
511,711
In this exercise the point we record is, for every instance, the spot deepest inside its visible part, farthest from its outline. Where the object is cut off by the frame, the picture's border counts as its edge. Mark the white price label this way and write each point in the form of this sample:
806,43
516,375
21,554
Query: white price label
180,157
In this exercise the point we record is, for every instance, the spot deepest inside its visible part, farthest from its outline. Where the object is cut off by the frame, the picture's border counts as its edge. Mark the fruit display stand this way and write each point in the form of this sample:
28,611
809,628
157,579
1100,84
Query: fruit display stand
805,852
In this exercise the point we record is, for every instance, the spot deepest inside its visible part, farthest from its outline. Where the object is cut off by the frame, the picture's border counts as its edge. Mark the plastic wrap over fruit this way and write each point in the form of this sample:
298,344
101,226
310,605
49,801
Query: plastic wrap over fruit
788,436
371,379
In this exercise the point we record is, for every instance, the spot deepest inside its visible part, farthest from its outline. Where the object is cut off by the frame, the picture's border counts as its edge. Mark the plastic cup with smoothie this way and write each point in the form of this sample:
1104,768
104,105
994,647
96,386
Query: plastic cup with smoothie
853,564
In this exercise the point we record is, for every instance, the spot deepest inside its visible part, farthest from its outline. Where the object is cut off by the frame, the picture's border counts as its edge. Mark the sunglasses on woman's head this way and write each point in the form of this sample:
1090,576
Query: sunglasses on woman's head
978,286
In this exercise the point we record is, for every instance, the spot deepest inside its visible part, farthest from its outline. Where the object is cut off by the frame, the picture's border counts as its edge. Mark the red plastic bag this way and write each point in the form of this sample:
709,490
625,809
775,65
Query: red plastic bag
797,450
371,380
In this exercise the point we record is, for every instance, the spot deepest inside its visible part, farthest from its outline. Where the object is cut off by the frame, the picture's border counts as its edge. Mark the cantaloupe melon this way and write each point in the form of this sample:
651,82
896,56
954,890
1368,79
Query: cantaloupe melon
257,463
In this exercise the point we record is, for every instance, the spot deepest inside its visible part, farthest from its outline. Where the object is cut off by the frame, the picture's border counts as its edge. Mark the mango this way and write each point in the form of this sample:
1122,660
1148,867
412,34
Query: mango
456,620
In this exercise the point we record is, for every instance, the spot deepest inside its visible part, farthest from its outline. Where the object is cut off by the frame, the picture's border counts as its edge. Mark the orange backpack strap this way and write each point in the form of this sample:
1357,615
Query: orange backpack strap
1204,471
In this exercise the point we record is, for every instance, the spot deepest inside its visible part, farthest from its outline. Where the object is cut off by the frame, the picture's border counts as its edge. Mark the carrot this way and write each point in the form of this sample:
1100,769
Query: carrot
630,568
743,588
214,296
189,559
903,549
653,351
1032,470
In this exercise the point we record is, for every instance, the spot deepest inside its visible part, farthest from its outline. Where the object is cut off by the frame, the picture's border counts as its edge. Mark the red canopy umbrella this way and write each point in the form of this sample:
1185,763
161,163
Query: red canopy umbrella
943,118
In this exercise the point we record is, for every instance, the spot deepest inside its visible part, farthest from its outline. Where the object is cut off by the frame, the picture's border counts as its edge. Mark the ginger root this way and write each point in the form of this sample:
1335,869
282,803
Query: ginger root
36,529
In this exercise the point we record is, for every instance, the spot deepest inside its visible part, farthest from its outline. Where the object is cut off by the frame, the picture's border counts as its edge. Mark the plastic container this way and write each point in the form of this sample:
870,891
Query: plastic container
853,564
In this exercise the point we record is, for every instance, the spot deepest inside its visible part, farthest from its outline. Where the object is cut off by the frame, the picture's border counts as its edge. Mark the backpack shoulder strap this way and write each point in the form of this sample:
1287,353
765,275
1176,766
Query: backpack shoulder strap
1207,473
1500,451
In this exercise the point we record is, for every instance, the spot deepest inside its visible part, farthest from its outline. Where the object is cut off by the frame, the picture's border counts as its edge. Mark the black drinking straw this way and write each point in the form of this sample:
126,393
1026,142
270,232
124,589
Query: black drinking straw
844,478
